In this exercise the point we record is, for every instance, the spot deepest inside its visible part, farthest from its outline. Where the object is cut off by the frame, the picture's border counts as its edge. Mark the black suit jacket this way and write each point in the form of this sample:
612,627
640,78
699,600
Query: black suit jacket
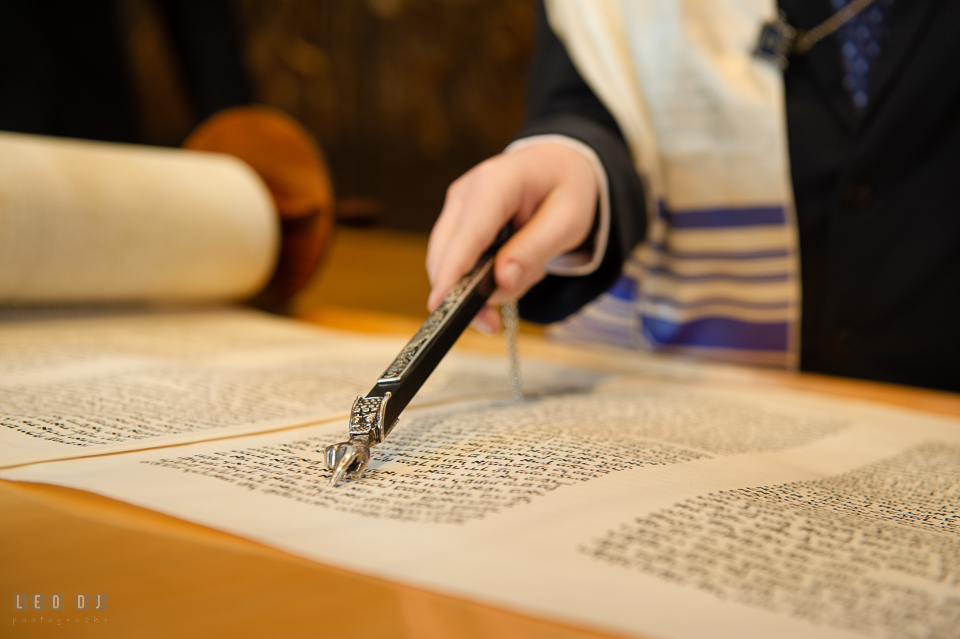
877,194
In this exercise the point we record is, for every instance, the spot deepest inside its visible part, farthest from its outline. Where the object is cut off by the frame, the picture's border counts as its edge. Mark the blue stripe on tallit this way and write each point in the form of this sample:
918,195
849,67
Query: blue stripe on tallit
607,320
718,332
726,217
712,277
719,255
625,288
726,301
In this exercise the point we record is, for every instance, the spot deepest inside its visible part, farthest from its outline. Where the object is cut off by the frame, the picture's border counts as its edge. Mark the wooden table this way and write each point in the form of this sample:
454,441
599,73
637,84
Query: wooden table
168,578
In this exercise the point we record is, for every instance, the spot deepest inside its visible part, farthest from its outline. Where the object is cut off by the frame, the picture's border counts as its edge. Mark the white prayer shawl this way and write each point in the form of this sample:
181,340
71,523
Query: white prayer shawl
718,275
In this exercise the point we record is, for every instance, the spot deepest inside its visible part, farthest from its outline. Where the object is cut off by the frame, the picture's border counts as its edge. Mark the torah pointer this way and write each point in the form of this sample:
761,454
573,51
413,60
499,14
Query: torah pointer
374,416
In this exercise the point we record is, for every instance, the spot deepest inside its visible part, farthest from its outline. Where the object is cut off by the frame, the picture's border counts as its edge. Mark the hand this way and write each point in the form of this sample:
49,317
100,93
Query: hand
549,191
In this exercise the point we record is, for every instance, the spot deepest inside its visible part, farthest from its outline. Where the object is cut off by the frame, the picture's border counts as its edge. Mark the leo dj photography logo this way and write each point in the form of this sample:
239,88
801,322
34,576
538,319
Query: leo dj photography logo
26,605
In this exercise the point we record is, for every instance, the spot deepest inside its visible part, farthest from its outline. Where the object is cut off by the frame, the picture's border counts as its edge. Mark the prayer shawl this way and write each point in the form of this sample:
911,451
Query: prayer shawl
718,275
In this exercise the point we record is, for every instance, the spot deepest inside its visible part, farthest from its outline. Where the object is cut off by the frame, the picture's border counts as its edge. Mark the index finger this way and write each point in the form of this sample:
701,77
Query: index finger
489,198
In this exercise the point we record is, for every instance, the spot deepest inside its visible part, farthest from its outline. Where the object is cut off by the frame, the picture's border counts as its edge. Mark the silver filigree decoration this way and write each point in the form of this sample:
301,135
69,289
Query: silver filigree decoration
366,418
431,325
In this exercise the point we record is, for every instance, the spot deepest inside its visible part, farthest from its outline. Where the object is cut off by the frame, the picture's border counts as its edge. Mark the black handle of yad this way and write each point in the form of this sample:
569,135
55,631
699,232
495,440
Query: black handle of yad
374,416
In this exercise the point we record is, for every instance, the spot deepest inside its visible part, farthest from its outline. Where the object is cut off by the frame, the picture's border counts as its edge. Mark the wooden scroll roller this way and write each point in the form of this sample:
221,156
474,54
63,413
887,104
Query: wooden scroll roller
285,156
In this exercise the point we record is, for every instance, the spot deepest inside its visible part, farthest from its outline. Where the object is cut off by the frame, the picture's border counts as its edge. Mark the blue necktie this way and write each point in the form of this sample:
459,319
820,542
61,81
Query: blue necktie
859,47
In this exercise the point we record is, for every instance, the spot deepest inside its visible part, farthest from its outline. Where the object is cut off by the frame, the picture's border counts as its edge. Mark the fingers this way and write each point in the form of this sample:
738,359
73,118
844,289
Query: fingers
558,226
445,224
549,191
487,320
476,208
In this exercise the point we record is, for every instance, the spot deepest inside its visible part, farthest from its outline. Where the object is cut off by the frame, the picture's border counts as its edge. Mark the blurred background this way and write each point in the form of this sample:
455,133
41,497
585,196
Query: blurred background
402,95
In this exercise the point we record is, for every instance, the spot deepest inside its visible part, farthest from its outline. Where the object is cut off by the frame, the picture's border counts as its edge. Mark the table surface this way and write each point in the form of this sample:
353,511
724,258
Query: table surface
166,577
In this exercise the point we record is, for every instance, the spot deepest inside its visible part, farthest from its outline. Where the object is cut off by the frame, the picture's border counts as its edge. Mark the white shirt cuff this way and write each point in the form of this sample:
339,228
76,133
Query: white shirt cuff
581,262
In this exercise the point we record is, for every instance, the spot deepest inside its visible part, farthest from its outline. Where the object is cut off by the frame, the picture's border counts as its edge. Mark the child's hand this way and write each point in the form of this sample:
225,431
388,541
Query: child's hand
549,191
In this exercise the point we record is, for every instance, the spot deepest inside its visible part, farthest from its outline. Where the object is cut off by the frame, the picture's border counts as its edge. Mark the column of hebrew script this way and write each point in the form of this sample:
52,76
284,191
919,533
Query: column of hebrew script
875,550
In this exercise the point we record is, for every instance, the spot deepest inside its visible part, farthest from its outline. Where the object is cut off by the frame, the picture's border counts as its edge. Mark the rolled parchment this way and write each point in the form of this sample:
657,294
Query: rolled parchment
100,222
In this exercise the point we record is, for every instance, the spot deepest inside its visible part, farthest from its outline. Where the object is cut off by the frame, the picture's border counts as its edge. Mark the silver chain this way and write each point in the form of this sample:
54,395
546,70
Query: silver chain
511,327
805,40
